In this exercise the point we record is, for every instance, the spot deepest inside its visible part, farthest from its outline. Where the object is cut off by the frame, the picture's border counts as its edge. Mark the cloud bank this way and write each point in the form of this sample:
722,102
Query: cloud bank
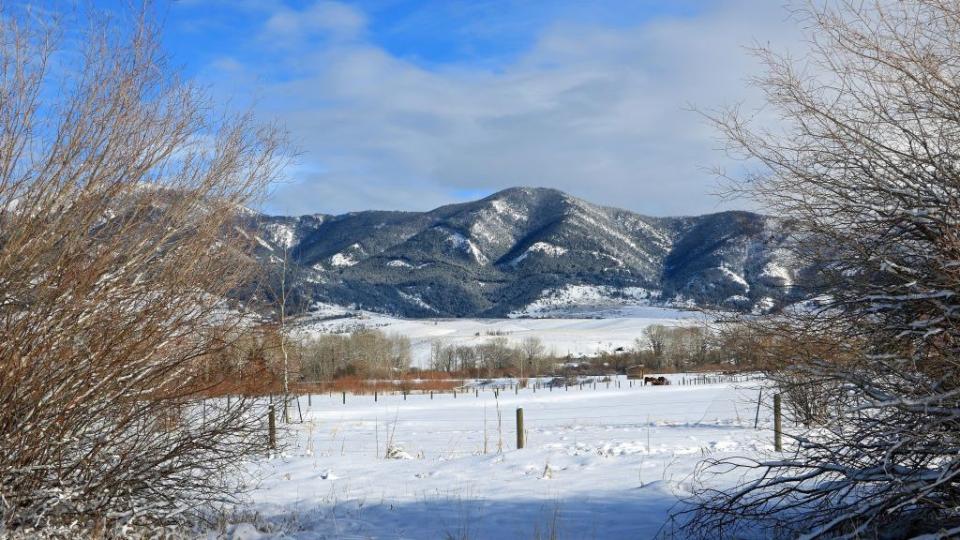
600,110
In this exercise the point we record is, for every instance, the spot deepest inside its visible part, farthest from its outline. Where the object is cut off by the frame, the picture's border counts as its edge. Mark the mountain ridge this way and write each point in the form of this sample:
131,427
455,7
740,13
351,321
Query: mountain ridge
502,253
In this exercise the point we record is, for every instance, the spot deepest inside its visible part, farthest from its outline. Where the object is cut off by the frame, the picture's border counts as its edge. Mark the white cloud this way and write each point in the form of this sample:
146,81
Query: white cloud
328,19
596,111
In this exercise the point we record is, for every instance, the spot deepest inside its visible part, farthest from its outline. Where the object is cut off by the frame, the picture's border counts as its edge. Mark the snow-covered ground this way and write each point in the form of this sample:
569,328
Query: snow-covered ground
601,463
588,301
574,335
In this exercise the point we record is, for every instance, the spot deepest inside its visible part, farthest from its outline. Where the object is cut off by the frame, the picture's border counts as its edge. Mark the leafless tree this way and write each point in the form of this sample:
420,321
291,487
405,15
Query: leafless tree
655,336
443,357
866,162
281,304
496,354
120,192
531,351
468,358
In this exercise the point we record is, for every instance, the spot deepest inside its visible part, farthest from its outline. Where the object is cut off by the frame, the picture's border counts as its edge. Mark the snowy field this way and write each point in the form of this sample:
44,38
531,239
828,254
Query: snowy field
599,463
578,333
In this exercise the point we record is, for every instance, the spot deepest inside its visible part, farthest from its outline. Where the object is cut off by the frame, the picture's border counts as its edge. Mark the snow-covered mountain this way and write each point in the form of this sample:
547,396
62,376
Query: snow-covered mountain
523,250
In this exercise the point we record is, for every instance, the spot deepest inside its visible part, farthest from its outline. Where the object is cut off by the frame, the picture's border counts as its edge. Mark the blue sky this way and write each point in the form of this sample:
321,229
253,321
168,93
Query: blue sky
409,104
481,33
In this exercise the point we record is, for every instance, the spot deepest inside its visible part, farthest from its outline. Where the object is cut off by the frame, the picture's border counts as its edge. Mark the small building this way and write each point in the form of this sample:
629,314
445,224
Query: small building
635,372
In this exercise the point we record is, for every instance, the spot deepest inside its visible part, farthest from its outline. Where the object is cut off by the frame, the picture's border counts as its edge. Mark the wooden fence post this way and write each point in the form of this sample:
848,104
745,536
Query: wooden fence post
777,431
756,419
272,428
520,431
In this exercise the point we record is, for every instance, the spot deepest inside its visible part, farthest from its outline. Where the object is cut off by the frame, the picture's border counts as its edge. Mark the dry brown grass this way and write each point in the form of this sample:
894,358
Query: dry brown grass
261,382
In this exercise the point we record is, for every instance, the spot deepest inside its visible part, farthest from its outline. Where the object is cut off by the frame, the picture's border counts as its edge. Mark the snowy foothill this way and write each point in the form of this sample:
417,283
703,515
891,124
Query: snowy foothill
610,460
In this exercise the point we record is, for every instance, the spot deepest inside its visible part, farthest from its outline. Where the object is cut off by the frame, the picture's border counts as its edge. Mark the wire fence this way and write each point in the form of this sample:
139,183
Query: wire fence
482,421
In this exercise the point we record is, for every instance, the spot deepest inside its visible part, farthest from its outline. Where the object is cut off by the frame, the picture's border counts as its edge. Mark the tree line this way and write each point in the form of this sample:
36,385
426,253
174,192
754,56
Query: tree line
372,354
659,348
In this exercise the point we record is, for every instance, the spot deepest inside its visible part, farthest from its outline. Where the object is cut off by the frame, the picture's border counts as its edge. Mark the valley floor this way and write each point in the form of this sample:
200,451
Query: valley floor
600,463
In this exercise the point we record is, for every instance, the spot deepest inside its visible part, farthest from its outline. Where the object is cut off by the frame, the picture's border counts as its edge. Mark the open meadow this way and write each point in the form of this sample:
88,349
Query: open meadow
608,460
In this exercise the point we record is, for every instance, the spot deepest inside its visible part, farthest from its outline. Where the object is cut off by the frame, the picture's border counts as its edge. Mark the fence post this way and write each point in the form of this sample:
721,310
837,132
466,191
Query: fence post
309,400
777,432
344,398
272,428
374,396
756,419
431,394
520,431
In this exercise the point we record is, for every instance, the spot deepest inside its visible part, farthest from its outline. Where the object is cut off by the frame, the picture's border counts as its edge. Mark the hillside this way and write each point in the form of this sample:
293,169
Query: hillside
523,251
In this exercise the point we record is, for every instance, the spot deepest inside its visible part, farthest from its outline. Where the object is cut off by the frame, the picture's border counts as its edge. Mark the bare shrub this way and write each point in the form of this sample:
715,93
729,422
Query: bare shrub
119,197
867,167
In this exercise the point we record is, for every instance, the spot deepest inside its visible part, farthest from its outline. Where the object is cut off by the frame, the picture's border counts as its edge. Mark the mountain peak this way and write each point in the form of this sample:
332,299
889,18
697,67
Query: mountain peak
525,191
525,194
